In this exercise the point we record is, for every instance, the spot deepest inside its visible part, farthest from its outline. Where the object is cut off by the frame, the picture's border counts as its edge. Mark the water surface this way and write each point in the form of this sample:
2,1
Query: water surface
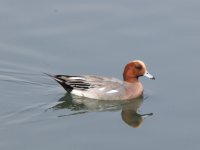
98,37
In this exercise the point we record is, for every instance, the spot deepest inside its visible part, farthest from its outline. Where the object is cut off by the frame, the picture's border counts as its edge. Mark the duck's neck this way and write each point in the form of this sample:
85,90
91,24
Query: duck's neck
131,79
129,74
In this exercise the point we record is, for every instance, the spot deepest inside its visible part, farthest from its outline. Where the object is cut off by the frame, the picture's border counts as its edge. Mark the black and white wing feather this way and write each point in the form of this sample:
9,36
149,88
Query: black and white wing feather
70,83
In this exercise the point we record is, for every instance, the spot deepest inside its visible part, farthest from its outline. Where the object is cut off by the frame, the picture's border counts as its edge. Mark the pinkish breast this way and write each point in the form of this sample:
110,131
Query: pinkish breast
134,90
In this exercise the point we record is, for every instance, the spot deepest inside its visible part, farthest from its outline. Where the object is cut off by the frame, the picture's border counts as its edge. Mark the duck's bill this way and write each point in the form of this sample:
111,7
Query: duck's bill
148,75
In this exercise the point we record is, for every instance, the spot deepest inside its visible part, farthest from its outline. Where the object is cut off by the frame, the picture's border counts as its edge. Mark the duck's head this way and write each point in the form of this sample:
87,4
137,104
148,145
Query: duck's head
133,70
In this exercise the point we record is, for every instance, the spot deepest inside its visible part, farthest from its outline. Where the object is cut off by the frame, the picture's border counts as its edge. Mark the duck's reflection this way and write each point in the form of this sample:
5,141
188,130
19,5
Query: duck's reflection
82,105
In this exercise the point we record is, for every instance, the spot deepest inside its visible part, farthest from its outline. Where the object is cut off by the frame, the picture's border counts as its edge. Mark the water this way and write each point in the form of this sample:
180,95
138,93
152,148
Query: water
98,37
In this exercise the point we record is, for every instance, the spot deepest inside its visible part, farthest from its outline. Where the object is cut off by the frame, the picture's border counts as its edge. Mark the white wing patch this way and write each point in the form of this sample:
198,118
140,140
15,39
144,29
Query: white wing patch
112,91
101,89
76,78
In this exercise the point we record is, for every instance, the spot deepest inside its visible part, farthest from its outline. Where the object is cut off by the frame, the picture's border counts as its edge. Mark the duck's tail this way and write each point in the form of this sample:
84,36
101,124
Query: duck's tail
62,82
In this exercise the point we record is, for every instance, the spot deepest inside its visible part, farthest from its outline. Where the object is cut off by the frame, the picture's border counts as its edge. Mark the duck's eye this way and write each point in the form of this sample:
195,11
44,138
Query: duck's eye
138,67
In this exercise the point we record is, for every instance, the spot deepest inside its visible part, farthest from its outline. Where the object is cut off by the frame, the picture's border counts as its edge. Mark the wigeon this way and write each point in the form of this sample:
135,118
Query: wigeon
103,88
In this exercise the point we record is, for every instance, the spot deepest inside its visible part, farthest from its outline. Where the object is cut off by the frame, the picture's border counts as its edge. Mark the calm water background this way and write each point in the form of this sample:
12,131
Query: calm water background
98,37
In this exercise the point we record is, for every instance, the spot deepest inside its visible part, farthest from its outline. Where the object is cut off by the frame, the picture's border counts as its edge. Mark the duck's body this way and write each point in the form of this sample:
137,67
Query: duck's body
97,87
104,88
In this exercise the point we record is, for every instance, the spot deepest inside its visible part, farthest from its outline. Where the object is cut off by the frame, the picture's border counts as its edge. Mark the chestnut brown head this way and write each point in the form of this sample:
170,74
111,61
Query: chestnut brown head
133,70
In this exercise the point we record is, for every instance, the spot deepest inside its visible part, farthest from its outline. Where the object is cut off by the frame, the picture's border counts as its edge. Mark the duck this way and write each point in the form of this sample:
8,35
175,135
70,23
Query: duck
105,88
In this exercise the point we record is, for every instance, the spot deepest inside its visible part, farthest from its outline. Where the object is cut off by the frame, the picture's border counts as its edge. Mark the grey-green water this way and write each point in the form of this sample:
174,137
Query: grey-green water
98,37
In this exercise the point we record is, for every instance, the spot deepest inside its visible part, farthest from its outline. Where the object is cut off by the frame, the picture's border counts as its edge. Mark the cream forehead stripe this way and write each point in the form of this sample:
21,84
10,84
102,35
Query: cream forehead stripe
141,62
